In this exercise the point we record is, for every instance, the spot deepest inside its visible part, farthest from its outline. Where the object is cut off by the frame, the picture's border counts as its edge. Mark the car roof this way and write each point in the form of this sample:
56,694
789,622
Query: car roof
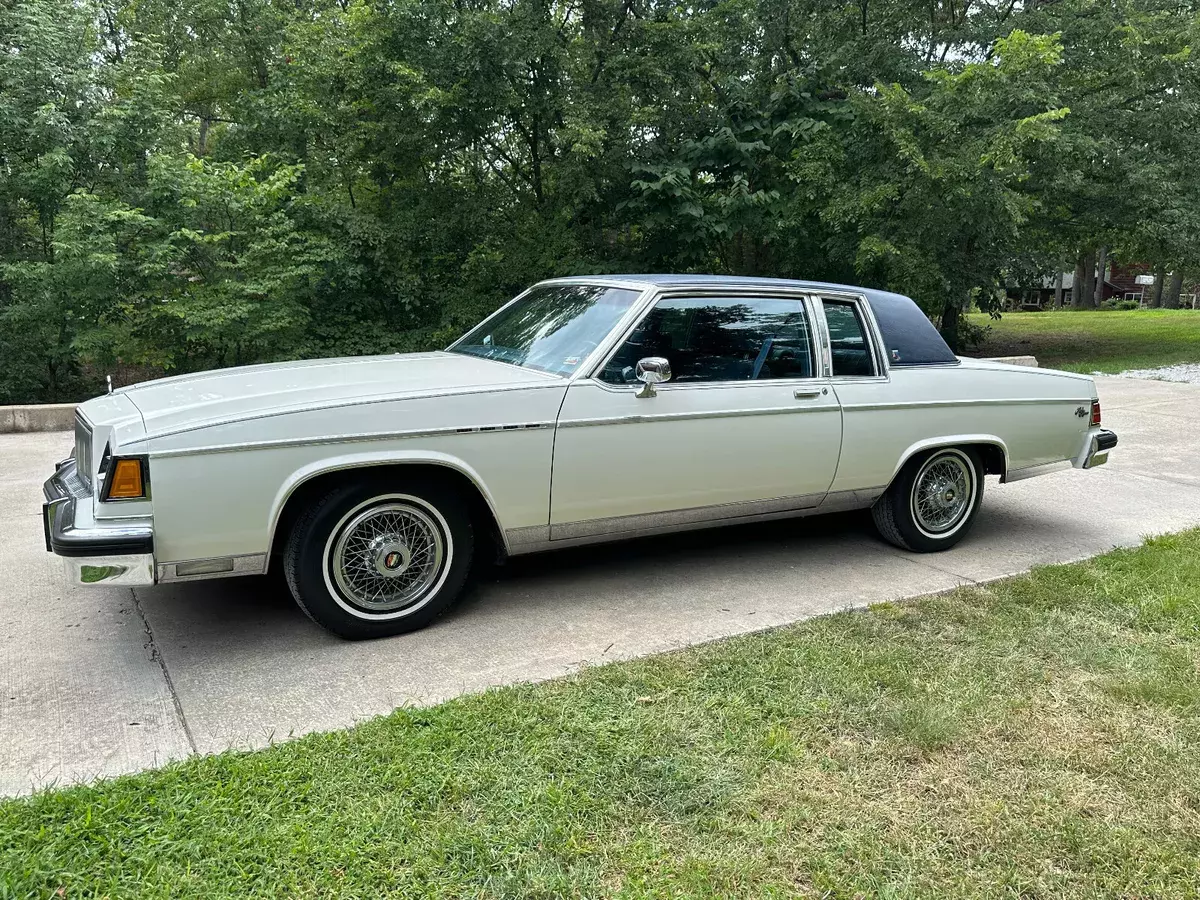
669,280
911,338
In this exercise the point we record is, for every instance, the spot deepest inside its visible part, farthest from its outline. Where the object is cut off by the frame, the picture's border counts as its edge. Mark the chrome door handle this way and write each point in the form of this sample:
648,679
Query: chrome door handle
802,393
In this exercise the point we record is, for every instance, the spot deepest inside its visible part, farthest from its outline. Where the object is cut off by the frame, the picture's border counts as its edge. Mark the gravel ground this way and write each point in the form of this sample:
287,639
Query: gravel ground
1186,372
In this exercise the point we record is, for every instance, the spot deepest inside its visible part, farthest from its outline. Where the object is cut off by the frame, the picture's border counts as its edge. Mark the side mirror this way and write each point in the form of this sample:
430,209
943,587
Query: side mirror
651,371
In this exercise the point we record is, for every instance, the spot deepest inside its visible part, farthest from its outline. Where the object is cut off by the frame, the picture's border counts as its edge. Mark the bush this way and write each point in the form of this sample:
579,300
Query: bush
1120,304
972,335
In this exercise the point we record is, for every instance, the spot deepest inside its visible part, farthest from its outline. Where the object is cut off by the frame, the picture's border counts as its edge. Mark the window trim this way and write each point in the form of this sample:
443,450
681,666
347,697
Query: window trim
645,290
818,336
882,369
859,307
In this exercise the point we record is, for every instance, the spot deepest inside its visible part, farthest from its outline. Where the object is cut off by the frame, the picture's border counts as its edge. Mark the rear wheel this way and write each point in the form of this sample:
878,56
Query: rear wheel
932,503
371,560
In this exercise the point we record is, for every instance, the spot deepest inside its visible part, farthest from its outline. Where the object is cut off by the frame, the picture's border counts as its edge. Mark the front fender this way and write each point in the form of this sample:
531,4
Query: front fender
367,460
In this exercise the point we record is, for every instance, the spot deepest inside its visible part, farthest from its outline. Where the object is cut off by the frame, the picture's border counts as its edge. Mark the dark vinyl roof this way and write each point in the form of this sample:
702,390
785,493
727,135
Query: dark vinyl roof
909,336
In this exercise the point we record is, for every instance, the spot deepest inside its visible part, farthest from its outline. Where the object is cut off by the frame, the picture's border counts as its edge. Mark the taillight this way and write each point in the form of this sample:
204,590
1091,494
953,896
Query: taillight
1095,413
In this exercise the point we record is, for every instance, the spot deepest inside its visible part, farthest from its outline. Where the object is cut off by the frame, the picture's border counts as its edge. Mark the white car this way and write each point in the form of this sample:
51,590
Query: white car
586,409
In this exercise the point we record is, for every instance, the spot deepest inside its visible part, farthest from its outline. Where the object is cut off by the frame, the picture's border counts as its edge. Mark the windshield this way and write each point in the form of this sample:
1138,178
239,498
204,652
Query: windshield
552,328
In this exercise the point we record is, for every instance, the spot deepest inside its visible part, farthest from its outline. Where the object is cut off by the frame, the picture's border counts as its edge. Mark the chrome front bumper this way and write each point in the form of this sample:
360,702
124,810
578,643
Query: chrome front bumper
101,553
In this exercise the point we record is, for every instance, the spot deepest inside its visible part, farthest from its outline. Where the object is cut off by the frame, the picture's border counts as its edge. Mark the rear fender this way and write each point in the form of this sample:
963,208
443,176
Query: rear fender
952,440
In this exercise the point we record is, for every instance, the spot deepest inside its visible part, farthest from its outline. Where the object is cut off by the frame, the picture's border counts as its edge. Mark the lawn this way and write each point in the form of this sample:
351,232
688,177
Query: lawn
1038,737
1095,340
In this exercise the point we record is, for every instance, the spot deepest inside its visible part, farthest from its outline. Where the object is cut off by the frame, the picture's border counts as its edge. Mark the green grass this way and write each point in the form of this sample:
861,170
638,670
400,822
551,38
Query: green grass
1036,738
1096,340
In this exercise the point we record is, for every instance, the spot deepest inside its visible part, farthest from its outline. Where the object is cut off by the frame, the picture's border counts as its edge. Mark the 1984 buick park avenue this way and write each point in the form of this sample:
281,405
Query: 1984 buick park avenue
586,409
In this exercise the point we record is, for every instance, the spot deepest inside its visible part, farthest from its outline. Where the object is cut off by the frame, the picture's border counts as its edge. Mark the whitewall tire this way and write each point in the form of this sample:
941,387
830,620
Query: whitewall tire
369,560
932,503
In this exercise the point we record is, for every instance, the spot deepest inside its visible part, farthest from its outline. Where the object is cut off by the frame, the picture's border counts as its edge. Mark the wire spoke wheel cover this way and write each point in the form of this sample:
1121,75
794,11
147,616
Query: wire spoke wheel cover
388,556
943,493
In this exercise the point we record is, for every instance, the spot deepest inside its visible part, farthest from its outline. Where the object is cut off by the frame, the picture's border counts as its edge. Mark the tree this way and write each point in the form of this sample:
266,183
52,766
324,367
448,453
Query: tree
935,186
1170,299
192,183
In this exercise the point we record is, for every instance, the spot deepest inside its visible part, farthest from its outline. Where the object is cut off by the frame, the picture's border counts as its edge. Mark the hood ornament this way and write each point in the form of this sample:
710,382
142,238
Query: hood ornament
108,378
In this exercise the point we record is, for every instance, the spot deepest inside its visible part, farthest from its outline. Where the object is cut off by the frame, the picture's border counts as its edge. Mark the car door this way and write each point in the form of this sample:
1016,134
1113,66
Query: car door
746,425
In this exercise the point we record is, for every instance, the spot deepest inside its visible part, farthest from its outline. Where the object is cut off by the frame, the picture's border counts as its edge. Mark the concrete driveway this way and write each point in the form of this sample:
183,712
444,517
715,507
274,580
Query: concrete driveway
97,682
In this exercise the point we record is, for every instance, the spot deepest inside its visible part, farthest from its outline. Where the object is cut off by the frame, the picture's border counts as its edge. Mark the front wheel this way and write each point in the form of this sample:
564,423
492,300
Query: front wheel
371,560
932,502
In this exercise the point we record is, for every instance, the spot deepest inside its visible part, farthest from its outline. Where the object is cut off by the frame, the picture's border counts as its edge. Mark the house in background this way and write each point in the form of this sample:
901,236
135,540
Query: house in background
1132,281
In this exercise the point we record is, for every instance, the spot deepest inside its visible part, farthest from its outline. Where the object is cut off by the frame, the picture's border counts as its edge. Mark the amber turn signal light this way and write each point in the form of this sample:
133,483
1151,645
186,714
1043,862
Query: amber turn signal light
125,481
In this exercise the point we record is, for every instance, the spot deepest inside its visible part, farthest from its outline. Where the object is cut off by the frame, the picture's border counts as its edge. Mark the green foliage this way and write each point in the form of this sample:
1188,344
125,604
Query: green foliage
1121,304
934,187
192,183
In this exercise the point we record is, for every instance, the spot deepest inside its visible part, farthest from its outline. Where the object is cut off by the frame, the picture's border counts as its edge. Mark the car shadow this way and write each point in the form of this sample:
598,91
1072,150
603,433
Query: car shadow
248,611
260,603
708,542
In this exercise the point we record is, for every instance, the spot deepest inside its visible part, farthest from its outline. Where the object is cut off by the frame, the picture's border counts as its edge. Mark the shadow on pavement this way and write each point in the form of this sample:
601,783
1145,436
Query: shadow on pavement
259,603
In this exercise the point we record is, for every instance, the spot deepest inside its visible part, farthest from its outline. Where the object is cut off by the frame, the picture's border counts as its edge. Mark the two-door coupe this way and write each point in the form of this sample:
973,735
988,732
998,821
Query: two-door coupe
586,409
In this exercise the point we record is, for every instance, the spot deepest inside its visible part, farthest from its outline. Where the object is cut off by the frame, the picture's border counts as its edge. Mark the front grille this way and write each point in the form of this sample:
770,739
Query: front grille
83,451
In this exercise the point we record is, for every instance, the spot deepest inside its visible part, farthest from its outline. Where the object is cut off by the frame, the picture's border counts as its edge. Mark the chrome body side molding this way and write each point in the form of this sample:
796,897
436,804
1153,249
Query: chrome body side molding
349,439
669,519
572,534
687,416
1034,471
220,567
936,404
520,540
844,501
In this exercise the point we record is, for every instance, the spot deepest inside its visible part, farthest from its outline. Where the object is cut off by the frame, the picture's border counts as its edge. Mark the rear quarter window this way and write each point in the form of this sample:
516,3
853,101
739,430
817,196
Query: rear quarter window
909,338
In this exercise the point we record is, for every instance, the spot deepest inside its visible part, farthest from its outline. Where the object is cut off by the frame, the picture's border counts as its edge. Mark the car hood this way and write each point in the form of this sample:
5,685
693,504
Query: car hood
226,395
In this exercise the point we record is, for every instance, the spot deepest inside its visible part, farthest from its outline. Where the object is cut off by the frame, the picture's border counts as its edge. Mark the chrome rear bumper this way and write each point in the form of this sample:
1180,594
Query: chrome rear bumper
118,553
1096,449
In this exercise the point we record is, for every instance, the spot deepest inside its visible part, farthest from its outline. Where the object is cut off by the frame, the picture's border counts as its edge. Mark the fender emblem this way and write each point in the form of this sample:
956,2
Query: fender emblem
1081,412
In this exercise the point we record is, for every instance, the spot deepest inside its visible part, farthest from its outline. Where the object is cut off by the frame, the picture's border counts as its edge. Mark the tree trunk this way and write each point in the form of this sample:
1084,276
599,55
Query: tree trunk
1171,298
1101,266
1088,294
1077,285
1058,289
950,316
1156,290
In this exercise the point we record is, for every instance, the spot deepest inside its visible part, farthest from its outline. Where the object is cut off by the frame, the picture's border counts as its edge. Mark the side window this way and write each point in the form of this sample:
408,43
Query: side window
847,339
719,339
